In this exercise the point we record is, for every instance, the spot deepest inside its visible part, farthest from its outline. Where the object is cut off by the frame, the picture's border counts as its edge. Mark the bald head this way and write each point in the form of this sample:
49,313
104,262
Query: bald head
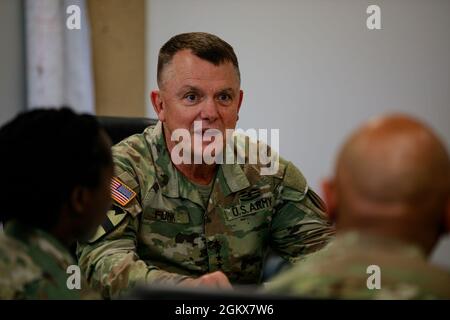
392,174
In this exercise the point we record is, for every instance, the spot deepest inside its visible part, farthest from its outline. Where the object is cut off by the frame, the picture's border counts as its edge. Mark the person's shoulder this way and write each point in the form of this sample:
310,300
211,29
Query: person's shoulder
310,277
258,156
264,158
133,158
135,143
403,270
270,167
17,268
426,281
401,275
13,252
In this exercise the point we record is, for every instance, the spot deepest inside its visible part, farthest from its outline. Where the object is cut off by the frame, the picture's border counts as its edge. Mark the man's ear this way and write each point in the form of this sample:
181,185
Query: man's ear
447,217
241,96
157,103
78,199
329,193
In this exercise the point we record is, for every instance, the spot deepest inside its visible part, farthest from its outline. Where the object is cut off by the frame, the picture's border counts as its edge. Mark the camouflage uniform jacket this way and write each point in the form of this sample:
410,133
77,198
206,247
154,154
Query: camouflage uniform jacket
33,265
341,271
166,233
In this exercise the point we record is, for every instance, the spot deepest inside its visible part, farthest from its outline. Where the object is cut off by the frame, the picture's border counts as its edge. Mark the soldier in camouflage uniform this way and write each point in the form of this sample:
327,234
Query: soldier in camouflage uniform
390,199
33,265
65,202
171,224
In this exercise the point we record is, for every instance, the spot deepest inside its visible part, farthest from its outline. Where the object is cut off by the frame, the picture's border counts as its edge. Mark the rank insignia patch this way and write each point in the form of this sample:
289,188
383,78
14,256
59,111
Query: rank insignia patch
113,218
120,192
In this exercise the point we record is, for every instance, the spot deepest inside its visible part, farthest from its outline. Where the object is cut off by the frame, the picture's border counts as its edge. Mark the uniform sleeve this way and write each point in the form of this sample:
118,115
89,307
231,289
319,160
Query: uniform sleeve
111,264
300,225
109,260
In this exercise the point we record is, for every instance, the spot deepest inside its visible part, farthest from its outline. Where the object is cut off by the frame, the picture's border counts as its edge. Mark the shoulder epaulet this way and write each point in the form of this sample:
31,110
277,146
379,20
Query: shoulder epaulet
294,179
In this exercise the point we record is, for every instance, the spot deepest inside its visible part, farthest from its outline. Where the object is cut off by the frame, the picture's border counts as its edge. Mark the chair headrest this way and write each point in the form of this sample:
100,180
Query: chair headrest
119,128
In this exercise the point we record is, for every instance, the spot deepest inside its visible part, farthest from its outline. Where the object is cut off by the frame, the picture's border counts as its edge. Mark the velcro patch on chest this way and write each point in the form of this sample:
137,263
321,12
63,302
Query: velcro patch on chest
120,192
166,216
249,195
250,202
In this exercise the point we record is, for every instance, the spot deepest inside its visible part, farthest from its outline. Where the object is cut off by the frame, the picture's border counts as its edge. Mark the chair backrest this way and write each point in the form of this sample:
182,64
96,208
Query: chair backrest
119,128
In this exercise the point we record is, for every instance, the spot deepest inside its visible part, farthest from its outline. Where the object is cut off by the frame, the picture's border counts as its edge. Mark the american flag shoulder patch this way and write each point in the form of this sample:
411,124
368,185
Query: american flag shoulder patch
120,192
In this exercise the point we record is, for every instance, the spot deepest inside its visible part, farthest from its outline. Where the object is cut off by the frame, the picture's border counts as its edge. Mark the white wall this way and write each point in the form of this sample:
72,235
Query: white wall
314,70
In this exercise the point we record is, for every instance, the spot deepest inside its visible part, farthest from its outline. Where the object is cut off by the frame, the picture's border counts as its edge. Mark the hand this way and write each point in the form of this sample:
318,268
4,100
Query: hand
211,280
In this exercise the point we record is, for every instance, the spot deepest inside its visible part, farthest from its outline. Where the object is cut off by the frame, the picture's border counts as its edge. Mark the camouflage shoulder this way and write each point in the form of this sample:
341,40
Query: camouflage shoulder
260,157
294,186
17,269
134,177
132,152
133,163
135,141
125,192
113,218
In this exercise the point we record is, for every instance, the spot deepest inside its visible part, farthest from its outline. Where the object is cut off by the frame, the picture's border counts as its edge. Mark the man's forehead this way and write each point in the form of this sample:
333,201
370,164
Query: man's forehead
188,69
194,87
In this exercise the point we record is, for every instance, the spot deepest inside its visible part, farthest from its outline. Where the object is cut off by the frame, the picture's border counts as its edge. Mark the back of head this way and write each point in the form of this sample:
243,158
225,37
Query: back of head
45,154
393,178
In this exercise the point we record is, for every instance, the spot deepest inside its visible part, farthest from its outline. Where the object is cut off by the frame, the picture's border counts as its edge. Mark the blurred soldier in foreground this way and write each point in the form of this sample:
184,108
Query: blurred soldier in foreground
390,200
55,186
198,223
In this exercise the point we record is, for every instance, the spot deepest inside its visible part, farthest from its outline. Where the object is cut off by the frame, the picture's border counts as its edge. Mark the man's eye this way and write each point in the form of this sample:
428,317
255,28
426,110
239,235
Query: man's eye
224,97
190,97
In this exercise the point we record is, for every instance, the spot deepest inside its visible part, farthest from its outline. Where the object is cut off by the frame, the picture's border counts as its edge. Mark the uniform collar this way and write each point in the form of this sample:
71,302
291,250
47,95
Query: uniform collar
233,174
235,178
166,173
173,184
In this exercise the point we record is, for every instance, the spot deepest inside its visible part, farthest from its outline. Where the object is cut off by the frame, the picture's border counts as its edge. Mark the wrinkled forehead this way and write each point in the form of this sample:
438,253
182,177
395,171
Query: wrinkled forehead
186,69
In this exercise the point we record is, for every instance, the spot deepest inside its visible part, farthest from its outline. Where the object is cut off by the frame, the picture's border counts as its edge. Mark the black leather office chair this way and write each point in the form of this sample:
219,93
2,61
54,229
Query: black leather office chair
118,128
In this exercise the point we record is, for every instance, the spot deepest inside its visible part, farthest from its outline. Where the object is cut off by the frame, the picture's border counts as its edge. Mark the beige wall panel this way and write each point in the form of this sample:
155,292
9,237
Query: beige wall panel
118,42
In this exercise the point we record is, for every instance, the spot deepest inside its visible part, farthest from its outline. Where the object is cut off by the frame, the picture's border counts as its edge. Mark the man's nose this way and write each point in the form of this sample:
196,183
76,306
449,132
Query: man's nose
209,110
